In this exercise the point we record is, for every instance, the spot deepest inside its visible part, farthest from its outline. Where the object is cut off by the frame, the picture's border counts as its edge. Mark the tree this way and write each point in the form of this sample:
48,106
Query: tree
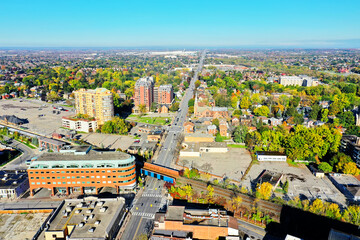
142,236
264,191
153,107
262,111
325,167
314,112
351,168
189,192
191,102
317,207
245,103
346,119
210,191
175,106
115,125
240,133
236,203
324,115
216,122
142,109
286,186
353,130
184,162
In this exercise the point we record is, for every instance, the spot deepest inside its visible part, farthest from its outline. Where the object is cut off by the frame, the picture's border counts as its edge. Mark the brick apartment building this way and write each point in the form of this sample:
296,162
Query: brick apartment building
83,170
96,103
165,94
144,93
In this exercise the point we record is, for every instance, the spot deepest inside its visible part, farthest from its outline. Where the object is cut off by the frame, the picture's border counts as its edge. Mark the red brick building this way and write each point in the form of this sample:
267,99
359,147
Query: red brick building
83,170
144,93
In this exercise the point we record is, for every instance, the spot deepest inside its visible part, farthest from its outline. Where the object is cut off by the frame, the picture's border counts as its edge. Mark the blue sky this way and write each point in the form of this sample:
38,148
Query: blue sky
227,23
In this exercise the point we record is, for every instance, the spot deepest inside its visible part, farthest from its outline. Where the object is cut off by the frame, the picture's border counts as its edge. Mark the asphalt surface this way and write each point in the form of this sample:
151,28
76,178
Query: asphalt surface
20,162
166,154
153,198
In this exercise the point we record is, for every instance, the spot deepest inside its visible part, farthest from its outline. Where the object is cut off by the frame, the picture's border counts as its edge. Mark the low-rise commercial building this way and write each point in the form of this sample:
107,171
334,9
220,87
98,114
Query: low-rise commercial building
263,156
194,149
347,184
78,124
50,144
203,224
86,219
83,170
13,184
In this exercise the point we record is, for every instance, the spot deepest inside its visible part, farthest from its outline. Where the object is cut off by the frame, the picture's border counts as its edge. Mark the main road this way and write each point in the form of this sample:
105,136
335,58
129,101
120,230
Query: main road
153,197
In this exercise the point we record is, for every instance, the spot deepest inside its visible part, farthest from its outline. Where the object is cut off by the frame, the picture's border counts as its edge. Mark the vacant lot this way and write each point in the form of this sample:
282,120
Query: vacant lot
232,164
39,114
149,119
302,182
111,141
20,226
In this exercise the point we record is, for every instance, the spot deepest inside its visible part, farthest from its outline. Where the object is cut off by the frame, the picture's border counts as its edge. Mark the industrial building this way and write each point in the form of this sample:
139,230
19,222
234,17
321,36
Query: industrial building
83,170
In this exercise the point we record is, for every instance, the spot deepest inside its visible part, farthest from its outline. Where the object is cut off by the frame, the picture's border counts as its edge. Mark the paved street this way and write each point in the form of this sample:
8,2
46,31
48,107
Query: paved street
251,230
20,162
145,207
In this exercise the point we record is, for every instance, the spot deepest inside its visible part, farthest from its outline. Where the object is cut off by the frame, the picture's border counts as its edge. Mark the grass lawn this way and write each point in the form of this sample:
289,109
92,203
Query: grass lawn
236,146
150,120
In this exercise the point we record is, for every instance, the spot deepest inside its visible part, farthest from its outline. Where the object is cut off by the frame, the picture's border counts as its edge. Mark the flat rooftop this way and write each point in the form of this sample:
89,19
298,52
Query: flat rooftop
345,179
89,212
21,226
92,155
12,179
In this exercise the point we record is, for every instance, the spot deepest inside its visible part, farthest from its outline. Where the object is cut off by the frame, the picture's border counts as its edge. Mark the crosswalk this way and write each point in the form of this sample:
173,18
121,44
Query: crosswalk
152,195
145,215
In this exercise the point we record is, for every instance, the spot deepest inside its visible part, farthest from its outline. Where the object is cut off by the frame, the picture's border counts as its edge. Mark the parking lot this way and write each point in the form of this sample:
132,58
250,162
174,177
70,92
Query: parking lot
40,115
231,164
302,182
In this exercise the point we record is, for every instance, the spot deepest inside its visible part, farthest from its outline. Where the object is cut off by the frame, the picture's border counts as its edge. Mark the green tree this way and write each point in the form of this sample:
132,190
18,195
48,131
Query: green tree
262,111
353,130
240,133
324,115
314,112
346,119
350,168
245,103
142,109
325,167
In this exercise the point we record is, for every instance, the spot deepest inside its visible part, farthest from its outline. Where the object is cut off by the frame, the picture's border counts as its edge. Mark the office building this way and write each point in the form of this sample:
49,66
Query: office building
83,170
89,218
144,93
96,103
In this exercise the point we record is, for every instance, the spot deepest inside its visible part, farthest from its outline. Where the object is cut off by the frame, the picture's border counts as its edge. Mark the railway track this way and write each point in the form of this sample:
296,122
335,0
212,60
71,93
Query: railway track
247,201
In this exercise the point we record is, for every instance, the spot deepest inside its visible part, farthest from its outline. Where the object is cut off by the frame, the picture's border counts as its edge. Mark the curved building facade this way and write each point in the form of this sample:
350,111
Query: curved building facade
83,170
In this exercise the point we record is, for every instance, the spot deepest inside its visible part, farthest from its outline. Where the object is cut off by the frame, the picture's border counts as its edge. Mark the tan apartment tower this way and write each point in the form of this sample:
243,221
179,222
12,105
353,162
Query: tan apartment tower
96,103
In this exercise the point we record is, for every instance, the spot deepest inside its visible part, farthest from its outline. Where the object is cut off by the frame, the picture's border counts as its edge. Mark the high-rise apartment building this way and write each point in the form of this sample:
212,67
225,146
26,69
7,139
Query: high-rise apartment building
165,94
144,92
96,103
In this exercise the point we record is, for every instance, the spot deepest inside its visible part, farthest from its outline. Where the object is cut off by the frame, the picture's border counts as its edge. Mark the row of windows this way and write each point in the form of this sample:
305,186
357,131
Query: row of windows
83,166
97,171
73,177
88,182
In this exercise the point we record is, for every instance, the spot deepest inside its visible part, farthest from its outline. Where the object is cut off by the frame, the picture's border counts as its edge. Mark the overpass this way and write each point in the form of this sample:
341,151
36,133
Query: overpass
160,172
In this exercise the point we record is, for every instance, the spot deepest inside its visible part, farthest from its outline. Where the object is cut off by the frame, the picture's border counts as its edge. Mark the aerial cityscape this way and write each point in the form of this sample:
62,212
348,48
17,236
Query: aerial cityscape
180,121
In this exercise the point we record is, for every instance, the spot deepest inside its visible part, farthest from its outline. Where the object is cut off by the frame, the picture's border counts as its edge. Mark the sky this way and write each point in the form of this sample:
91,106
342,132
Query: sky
171,23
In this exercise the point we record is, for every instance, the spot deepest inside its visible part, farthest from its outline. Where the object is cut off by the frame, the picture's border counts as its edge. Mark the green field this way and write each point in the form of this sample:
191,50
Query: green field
149,120
236,146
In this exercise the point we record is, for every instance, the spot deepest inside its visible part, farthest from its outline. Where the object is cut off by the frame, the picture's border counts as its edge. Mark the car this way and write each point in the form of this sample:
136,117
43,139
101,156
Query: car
136,141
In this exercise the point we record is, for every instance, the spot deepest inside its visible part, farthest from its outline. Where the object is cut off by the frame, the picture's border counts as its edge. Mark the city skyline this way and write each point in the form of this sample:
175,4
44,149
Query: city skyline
260,24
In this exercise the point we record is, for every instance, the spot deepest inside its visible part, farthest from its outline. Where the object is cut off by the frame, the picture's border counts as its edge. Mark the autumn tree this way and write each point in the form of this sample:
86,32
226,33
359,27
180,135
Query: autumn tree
264,191
262,111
